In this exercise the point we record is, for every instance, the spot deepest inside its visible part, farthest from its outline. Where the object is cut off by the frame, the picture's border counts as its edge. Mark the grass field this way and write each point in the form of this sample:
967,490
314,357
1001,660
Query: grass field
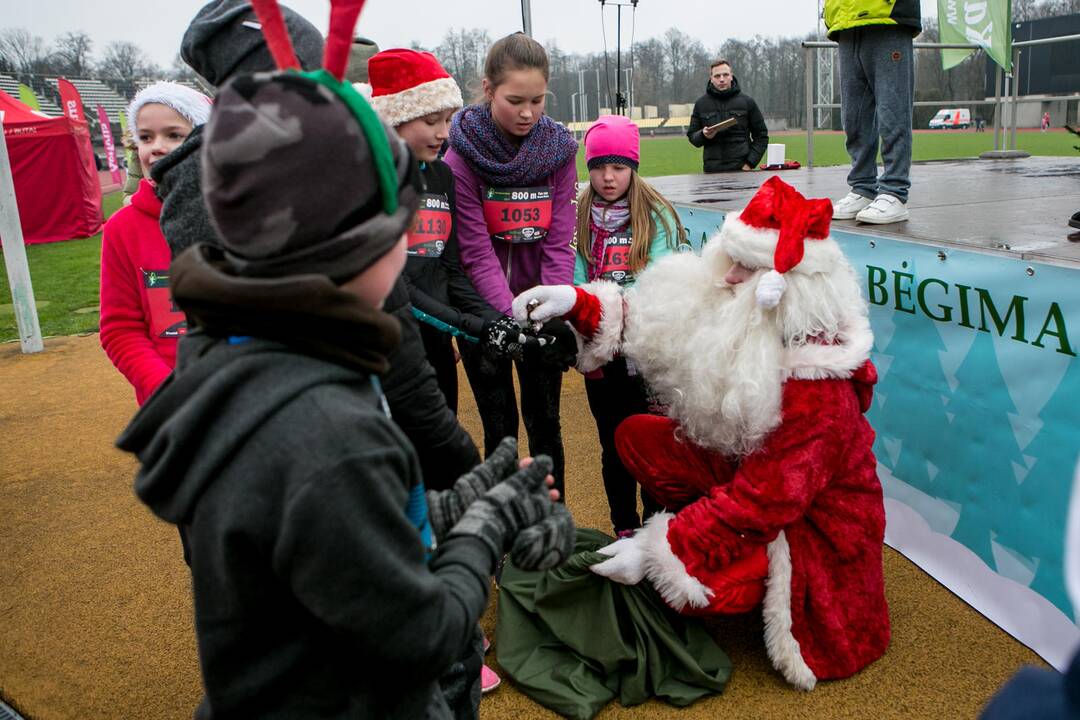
674,155
65,274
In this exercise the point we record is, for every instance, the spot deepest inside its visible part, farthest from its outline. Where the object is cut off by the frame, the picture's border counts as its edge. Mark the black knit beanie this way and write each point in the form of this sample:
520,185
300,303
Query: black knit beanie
225,38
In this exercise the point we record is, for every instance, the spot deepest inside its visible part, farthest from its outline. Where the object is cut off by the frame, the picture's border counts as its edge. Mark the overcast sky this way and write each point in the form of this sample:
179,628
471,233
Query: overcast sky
157,26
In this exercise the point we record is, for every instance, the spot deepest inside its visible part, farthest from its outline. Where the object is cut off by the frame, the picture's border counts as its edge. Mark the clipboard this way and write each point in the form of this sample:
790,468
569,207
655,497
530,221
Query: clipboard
722,125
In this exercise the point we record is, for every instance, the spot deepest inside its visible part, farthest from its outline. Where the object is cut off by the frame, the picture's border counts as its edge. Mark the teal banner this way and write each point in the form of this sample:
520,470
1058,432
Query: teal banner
979,22
976,407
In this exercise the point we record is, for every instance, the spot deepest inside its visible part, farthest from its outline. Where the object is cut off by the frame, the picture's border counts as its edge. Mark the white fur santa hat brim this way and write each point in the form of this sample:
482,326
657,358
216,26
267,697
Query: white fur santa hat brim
191,104
424,99
408,84
782,231
755,247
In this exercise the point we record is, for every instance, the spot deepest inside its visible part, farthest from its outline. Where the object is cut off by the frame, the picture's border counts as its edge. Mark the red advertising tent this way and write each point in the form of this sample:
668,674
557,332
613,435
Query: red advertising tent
56,183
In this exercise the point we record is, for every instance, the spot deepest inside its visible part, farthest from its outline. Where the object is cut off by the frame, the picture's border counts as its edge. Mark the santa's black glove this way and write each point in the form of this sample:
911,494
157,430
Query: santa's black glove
557,345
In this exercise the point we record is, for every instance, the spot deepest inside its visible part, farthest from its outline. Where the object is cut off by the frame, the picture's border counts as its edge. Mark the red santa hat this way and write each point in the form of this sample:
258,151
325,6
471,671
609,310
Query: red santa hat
783,231
407,84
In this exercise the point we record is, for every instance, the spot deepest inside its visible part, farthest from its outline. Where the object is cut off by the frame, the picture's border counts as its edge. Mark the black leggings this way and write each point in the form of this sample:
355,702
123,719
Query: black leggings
612,398
492,384
439,349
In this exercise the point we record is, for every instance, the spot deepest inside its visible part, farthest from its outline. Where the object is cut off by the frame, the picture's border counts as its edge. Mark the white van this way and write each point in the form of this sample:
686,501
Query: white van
951,118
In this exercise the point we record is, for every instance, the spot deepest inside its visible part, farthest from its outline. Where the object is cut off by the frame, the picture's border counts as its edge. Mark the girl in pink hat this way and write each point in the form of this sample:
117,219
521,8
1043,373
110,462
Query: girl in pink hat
623,224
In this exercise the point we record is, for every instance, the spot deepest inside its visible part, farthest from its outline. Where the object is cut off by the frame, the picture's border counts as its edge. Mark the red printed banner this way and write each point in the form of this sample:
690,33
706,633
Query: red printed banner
518,215
70,100
110,148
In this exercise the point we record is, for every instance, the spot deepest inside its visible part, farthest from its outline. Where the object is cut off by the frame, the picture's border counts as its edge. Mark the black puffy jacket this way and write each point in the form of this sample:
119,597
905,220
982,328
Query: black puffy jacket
729,149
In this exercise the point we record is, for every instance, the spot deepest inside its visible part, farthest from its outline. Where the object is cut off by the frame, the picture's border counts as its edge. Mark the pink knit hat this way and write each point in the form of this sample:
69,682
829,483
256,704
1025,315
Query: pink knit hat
612,139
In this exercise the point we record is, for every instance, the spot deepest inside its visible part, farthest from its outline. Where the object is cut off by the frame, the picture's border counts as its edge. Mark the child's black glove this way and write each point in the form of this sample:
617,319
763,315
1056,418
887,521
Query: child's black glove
446,507
519,502
557,345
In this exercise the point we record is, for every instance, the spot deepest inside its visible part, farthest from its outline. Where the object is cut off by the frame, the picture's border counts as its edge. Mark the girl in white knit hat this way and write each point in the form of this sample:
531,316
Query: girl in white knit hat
139,324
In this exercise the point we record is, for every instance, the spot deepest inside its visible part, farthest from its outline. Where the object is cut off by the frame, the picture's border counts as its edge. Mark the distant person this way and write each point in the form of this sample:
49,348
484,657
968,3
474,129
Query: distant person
735,146
140,326
877,88
1045,121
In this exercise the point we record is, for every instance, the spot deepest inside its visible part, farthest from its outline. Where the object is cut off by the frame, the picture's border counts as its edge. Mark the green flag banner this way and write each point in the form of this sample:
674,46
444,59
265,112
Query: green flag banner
985,23
122,116
28,97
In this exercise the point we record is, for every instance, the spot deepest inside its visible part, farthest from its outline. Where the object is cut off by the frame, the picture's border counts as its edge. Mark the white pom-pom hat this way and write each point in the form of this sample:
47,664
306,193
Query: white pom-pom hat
783,231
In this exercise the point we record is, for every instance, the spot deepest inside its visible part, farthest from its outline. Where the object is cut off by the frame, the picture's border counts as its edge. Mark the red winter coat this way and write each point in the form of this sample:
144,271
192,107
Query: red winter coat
140,325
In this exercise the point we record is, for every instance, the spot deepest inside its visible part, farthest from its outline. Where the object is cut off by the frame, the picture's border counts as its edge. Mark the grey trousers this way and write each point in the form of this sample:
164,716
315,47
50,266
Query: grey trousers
877,88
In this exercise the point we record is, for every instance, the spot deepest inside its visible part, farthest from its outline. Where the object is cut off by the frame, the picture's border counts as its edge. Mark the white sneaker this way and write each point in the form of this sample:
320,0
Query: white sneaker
884,210
849,206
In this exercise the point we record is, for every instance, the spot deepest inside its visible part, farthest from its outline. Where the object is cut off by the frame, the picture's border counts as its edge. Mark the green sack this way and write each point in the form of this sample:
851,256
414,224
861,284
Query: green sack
572,640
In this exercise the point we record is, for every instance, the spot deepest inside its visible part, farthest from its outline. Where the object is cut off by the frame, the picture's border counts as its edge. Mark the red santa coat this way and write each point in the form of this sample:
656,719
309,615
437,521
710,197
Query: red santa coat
810,495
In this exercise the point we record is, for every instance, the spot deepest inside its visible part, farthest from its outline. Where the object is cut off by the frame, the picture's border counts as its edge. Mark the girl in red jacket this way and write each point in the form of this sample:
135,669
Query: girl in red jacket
139,323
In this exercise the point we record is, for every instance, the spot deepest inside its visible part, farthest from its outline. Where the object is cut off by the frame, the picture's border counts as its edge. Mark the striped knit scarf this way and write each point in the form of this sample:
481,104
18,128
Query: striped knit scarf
501,163
605,220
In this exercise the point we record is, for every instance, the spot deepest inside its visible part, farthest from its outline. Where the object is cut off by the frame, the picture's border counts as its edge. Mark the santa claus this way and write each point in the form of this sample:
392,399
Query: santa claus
759,349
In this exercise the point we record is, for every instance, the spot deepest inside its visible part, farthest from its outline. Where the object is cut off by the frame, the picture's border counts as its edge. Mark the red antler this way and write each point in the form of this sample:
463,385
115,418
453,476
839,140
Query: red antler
343,16
276,34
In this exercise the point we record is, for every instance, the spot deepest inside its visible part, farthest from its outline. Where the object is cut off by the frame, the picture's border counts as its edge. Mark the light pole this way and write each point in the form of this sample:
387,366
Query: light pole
620,99
526,17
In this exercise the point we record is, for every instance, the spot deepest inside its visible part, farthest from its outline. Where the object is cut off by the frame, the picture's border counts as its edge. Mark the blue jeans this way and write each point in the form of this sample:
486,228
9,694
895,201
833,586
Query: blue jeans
877,88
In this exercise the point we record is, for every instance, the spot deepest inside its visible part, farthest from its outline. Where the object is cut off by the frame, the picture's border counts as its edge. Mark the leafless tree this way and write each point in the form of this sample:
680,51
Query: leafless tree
71,54
22,52
462,53
125,61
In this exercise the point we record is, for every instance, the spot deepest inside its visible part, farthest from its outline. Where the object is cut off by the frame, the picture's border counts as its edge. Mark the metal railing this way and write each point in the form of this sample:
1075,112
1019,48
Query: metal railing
1001,101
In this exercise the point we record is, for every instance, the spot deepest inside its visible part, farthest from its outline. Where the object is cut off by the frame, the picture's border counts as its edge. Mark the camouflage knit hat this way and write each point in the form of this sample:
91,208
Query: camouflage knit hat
291,183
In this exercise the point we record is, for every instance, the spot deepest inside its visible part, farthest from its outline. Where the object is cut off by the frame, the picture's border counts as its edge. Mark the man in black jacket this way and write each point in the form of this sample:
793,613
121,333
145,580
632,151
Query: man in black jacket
736,146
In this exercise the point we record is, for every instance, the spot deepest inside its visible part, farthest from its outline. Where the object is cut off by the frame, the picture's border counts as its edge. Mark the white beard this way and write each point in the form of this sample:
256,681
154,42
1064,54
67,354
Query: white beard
708,352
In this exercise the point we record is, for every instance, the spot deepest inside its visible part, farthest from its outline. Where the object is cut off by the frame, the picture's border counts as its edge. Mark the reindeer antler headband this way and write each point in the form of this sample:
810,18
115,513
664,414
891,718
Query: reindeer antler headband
343,17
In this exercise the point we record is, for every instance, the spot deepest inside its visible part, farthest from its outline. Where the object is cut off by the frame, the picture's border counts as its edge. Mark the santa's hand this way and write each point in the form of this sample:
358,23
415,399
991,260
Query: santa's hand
627,563
544,302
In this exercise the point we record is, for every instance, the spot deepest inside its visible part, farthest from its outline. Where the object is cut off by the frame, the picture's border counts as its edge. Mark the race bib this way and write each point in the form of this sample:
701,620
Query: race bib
616,262
518,215
166,319
428,235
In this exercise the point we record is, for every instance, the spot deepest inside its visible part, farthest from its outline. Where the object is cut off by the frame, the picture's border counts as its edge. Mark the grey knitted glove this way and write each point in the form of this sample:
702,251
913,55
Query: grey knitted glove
446,507
519,502
546,544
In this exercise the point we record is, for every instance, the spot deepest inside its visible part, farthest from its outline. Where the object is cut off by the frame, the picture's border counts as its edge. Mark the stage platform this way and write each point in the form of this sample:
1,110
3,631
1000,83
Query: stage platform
1018,208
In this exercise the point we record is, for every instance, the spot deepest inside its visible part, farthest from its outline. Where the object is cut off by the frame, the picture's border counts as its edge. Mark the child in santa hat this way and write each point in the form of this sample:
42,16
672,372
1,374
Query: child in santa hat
414,94
139,323
623,224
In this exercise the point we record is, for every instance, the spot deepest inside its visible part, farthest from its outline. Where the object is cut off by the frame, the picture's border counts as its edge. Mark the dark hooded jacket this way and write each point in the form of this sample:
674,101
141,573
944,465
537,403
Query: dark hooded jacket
743,143
270,443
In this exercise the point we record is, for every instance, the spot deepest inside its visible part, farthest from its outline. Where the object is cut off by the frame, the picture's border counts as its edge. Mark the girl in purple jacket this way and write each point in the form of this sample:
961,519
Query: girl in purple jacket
516,182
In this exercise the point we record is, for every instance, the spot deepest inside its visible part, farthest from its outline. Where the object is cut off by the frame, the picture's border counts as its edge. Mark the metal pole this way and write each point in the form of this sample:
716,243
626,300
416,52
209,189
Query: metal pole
1015,95
18,271
573,111
599,101
526,17
809,107
997,107
619,105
